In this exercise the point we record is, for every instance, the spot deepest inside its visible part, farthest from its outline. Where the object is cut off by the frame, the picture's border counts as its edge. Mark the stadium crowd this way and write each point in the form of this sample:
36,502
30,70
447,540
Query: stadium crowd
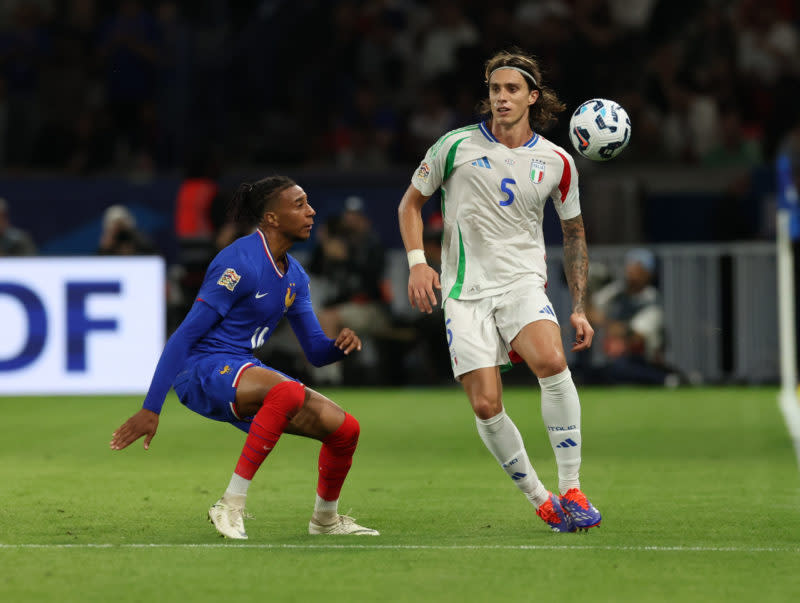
133,85
203,87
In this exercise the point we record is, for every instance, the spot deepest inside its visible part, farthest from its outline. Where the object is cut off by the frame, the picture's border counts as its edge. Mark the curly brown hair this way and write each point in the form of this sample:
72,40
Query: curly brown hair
542,114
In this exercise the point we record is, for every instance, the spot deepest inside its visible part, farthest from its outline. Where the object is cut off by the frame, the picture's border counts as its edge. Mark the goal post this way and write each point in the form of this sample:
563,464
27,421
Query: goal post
787,231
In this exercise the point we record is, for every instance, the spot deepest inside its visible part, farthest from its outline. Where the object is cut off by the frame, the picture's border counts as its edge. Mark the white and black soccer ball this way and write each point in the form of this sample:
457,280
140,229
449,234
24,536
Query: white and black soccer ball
599,129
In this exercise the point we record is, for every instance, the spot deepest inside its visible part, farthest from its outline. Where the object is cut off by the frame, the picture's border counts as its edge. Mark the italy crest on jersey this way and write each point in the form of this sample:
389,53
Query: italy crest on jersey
537,170
229,279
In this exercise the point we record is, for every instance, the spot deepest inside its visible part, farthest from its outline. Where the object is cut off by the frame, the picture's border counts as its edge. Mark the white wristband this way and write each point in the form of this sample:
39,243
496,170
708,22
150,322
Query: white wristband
416,256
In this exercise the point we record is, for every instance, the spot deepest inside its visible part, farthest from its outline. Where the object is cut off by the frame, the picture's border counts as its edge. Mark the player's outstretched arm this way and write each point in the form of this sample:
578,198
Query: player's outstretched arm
143,423
422,279
200,319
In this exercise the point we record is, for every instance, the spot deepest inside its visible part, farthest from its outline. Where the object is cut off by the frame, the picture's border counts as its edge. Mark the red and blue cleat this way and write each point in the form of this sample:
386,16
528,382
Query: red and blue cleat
554,515
582,513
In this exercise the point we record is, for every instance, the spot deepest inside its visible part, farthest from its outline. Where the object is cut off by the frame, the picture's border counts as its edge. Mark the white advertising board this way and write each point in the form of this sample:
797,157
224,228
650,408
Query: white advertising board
80,325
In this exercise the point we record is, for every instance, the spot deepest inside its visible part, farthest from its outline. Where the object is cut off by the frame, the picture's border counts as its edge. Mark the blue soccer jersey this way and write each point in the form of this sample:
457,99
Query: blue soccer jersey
244,296
247,288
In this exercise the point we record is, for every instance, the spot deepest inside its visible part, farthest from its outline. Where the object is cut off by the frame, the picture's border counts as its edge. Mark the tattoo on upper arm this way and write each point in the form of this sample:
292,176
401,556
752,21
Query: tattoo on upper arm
576,260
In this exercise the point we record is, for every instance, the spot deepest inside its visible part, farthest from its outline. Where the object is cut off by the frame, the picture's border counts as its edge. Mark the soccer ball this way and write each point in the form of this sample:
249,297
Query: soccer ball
599,129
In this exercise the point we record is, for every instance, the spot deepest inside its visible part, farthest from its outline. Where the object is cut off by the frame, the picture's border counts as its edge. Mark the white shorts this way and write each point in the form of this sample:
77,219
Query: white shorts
479,332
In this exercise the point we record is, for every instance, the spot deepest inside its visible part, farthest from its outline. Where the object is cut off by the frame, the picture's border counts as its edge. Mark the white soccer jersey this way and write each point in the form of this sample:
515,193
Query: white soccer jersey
493,200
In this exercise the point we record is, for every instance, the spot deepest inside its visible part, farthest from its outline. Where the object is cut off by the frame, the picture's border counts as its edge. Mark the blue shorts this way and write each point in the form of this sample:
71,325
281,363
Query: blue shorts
207,385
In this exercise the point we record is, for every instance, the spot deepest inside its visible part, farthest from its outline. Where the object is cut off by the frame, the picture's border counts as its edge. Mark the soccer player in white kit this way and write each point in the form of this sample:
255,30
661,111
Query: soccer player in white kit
495,178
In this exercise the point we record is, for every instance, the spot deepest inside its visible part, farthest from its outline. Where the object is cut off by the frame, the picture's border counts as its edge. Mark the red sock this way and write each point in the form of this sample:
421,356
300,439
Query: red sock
280,404
336,457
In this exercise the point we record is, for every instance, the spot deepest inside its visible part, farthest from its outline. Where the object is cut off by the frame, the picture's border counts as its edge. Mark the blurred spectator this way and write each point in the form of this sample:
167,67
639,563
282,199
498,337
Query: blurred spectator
349,259
548,26
194,227
449,32
428,360
226,229
129,46
386,49
195,195
24,49
431,118
687,117
367,132
140,82
13,240
94,142
709,60
768,43
347,270
629,318
733,146
120,235
173,76
769,66
598,36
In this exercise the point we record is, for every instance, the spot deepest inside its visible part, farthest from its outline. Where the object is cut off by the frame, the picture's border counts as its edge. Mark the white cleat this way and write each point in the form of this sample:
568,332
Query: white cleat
343,525
228,519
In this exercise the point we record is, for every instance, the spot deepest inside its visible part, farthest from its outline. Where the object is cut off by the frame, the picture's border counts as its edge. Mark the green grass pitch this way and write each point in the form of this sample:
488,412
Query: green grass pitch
699,490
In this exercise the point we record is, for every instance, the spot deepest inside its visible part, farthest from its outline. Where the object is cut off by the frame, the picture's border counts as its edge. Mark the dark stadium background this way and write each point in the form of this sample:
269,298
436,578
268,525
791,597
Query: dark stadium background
113,102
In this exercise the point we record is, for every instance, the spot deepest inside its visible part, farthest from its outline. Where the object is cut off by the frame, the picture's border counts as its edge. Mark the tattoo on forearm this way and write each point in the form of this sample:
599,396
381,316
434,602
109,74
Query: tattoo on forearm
576,261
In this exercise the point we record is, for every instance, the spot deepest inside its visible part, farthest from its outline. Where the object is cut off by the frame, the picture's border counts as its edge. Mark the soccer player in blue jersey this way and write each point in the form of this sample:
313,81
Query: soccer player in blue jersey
248,288
495,178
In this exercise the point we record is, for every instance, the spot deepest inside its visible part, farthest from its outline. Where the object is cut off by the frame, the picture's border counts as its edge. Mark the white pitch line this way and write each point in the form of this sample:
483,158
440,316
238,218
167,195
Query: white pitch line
413,547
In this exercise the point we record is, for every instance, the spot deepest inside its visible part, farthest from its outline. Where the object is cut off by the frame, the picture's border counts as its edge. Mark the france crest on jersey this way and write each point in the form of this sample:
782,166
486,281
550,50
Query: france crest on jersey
246,286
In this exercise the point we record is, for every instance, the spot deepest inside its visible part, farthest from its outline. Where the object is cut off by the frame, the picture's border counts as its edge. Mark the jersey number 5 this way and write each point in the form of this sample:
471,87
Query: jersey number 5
504,186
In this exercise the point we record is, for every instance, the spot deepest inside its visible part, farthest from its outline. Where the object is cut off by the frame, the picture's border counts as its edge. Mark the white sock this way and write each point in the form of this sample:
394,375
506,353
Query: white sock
504,441
325,511
238,486
561,412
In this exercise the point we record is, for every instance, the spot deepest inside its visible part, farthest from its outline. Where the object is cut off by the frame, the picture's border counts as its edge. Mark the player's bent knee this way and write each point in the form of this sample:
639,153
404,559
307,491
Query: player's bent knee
286,397
346,436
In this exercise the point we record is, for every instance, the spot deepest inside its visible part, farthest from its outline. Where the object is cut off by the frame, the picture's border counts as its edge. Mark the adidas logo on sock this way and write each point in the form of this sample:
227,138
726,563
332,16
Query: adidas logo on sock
568,443
518,476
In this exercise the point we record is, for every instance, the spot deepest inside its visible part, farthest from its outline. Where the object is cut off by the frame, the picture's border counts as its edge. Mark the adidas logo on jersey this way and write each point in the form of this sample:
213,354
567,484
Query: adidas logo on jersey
483,162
